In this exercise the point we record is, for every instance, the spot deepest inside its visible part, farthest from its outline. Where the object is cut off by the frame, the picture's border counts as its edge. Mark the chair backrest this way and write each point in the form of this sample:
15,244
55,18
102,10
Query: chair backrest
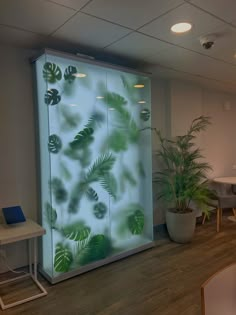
222,189
218,293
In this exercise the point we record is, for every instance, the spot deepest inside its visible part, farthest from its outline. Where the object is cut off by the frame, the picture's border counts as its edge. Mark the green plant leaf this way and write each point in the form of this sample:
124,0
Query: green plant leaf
140,169
71,120
77,231
83,138
183,178
100,210
85,157
98,247
52,97
77,192
128,176
51,72
96,120
117,141
54,144
66,174
91,194
100,168
63,258
109,183
136,222
59,190
69,74
51,215
122,116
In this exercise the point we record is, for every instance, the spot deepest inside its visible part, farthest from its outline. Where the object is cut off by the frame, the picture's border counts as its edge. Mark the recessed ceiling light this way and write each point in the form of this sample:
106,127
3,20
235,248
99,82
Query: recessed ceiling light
99,97
181,27
79,75
142,102
139,86
111,108
73,105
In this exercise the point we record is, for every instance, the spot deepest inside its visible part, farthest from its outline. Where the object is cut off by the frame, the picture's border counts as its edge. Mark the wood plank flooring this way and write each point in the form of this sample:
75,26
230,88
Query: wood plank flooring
164,280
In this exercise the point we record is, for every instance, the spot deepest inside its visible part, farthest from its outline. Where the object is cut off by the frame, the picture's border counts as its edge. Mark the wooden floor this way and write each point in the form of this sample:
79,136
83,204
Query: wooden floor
164,280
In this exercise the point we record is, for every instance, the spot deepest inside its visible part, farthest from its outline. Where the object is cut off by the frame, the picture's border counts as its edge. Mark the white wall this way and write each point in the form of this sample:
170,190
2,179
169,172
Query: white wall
188,101
17,140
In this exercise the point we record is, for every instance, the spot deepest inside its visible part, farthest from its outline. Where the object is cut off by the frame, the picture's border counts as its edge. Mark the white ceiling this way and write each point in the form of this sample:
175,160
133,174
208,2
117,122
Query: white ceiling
134,30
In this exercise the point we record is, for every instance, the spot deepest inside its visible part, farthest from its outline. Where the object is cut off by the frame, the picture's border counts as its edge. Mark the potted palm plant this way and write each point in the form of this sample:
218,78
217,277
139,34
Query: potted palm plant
183,181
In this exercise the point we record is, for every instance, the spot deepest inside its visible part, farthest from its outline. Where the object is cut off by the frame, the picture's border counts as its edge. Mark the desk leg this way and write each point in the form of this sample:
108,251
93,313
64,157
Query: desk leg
30,256
35,258
32,273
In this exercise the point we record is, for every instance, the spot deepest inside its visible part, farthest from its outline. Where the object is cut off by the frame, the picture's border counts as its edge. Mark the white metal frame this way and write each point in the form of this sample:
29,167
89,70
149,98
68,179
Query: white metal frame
32,274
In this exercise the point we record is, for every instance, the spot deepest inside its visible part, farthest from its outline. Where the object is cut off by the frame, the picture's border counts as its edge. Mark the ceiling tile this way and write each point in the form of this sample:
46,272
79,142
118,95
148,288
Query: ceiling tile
37,16
74,4
88,30
203,23
183,60
20,38
224,48
224,9
137,46
130,13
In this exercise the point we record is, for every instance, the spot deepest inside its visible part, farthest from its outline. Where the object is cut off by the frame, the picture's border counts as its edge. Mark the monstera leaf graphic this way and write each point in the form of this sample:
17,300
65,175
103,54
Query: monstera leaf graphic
54,144
100,210
69,74
145,114
91,194
59,191
63,258
51,215
77,231
51,72
82,138
136,222
52,97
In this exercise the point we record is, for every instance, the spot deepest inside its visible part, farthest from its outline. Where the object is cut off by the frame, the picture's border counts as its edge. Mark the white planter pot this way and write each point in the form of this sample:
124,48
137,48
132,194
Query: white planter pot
181,226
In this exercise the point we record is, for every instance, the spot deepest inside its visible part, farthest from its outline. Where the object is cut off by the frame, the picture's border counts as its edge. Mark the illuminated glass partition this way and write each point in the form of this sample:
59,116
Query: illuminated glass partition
95,164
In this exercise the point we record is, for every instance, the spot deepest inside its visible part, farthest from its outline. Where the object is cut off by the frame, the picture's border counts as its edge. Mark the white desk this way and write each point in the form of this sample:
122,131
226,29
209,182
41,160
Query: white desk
28,230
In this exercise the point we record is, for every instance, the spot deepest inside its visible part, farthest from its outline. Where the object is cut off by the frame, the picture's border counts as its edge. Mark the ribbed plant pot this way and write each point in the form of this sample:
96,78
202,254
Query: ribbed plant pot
181,226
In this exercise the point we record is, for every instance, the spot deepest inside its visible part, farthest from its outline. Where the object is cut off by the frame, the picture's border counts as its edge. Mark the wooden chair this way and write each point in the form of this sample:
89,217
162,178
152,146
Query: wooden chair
218,293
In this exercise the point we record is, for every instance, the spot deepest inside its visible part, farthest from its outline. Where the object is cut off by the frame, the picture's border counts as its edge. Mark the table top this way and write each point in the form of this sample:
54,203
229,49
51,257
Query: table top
225,180
10,233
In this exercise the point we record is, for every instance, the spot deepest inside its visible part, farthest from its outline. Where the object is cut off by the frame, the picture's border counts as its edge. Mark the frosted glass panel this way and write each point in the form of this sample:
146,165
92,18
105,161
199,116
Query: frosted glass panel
95,158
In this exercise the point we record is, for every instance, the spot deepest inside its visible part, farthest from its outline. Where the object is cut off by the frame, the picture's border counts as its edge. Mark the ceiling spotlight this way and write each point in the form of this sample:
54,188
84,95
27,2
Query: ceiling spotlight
181,27
139,86
142,102
99,97
79,75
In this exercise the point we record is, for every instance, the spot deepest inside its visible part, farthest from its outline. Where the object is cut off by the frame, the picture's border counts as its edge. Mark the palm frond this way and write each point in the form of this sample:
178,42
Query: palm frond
100,168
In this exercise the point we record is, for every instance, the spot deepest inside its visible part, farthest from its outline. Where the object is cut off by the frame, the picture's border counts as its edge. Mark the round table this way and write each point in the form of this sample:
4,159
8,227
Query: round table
225,180
231,180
